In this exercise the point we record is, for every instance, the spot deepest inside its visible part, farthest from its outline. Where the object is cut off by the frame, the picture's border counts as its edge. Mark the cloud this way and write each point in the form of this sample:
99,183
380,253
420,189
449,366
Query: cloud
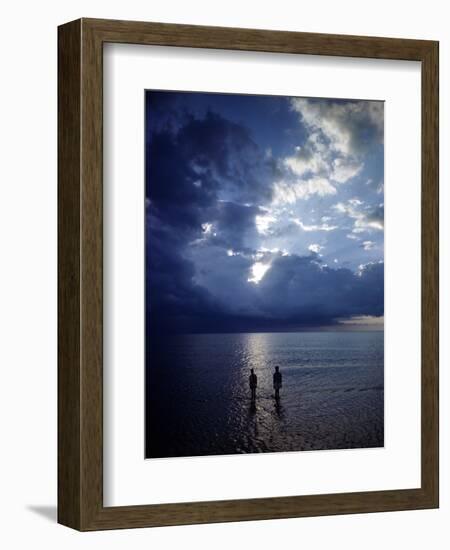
227,226
220,289
345,169
205,160
349,127
264,222
287,291
202,176
288,192
301,290
316,160
360,321
235,224
314,227
173,298
312,157
368,245
316,248
339,133
365,219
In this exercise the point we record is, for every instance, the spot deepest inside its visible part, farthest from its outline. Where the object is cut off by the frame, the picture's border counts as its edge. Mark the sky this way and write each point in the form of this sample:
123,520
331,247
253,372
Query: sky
263,213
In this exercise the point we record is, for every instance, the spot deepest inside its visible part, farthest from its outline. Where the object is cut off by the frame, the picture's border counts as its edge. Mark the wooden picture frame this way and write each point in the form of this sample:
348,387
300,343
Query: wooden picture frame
80,272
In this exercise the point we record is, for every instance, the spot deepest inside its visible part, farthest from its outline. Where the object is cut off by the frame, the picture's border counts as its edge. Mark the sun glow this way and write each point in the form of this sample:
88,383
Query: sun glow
264,222
258,271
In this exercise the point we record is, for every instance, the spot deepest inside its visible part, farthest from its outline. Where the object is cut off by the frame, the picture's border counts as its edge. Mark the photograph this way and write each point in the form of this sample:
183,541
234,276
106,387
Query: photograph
264,274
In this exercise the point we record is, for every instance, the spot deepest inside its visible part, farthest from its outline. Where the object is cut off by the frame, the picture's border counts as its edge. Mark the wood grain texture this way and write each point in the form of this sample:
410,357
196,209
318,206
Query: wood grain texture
80,264
430,272
69,243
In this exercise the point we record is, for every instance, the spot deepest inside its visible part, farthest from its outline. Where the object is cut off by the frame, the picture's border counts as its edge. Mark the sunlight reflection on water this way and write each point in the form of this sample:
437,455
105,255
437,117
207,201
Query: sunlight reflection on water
199,396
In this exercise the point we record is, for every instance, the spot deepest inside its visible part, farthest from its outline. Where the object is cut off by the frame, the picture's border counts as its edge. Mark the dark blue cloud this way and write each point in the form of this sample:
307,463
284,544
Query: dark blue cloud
301,290
207,180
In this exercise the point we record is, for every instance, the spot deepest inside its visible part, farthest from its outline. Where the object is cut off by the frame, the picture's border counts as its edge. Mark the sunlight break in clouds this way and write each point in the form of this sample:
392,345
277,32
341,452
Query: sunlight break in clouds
264,222
258,271
316,248
361,321
250,202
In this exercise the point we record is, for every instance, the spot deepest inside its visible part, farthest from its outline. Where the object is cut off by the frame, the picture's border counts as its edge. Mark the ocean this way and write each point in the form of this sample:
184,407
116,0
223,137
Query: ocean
198,399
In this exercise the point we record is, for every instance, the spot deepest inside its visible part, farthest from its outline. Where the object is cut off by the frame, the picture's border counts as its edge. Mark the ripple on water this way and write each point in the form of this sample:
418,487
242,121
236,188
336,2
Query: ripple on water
199,403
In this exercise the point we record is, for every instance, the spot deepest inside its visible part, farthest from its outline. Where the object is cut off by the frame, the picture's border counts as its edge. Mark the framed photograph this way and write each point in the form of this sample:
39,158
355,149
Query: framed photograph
248,274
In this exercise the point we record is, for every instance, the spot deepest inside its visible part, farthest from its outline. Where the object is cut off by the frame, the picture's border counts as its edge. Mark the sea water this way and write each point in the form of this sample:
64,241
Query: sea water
198,400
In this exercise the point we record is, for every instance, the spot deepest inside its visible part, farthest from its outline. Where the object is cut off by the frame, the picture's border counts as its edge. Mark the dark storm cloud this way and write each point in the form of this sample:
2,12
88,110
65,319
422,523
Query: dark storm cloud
173,300
203,160
296,292
302,291
207,181
209,171
234,223
194,175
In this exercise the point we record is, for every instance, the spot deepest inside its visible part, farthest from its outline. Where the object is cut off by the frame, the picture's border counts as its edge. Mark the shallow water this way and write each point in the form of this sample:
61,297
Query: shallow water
198,398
